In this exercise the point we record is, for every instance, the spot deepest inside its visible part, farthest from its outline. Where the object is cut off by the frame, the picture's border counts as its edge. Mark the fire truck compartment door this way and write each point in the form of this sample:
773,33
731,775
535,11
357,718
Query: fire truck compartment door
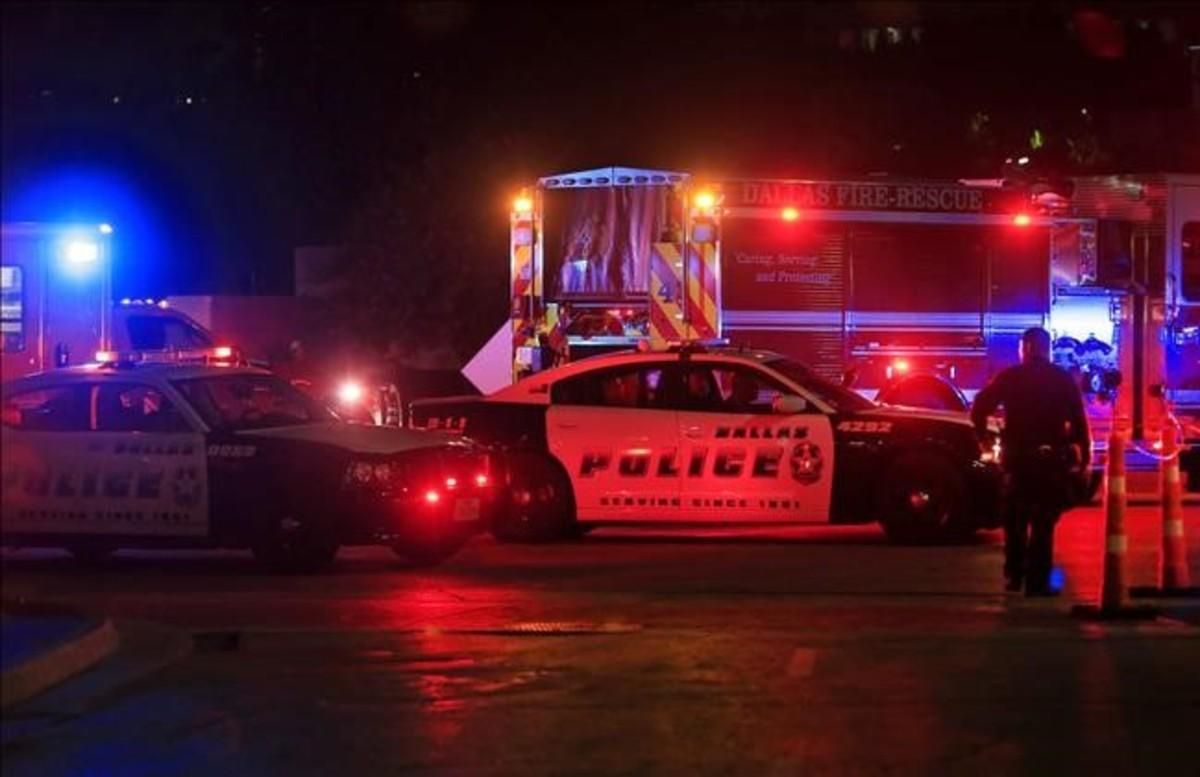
1185,241
74,314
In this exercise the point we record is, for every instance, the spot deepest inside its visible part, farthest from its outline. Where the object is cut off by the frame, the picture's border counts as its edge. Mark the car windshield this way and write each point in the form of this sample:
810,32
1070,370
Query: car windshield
247,401
838,397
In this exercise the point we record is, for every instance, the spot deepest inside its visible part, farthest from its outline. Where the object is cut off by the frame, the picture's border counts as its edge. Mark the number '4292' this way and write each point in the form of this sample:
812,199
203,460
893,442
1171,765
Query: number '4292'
873,427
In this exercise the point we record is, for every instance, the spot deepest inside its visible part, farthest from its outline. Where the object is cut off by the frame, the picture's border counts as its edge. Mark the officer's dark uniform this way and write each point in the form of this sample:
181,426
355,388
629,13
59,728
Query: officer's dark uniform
1043,419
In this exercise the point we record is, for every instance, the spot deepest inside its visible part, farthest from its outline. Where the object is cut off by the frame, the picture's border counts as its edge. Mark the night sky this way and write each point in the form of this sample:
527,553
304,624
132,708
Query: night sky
217,137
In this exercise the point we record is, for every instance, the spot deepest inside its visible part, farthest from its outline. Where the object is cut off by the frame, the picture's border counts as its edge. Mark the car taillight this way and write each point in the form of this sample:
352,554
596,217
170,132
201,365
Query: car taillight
432,497
481,480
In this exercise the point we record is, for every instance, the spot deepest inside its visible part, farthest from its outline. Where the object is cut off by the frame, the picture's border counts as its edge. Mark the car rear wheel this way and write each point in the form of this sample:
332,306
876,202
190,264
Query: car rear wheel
540,506
922,501
294,546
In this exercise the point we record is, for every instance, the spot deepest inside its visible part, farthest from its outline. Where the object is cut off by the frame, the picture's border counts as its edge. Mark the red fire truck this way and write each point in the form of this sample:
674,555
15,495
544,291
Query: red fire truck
872,278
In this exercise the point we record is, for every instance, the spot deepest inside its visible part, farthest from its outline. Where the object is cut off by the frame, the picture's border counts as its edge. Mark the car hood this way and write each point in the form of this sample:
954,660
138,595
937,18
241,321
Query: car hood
896,412
356,438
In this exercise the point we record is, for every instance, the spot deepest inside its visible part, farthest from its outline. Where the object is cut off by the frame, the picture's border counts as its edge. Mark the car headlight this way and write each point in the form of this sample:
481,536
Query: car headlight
371,474
362,472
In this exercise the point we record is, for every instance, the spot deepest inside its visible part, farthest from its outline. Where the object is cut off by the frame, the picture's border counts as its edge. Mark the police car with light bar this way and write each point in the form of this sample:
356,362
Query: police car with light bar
195,450
693,436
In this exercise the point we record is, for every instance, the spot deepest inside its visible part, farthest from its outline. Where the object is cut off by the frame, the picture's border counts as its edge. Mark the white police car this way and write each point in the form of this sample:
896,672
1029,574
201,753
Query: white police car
133,454
723,436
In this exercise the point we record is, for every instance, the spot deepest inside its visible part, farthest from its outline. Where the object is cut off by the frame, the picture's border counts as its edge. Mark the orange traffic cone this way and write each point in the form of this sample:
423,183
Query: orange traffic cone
1113,601
1173,576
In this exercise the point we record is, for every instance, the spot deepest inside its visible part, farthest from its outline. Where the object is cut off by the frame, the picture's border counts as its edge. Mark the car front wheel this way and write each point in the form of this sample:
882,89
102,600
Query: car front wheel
922,501
294,546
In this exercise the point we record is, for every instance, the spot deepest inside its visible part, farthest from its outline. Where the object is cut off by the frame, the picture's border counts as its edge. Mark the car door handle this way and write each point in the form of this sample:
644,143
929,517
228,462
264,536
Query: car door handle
693,432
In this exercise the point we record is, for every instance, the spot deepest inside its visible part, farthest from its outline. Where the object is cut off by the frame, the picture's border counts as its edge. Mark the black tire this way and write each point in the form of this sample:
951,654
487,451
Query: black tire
540,506
92,555
428,553
299,548
922,501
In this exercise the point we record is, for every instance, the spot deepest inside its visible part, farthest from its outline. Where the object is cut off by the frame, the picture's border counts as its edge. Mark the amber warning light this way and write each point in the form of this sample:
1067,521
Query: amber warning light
523,204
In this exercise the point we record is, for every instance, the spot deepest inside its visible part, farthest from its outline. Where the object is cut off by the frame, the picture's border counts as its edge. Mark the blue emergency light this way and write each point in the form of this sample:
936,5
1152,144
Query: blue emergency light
80,253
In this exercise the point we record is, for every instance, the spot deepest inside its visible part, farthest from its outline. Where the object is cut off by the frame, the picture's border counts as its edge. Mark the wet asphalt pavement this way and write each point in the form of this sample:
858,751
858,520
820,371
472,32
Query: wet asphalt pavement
799,651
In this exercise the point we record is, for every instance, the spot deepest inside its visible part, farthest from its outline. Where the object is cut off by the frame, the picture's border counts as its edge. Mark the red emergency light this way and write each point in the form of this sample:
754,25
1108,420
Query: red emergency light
898,367
790,214
1022,220
350,392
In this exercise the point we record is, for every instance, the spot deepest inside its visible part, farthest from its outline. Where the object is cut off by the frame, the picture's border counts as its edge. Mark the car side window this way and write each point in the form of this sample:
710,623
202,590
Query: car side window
58,409
632,387
130,407
716,388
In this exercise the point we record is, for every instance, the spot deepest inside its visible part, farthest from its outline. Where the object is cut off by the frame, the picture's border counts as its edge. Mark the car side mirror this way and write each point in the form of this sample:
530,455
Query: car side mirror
788,404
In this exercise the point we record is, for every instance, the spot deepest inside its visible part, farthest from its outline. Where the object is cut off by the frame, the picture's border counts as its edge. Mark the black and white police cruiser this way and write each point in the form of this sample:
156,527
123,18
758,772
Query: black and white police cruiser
178,451
721,436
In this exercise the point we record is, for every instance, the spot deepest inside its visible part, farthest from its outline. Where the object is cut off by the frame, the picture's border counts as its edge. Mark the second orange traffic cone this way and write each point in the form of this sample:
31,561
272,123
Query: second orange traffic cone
1173,573
1113,600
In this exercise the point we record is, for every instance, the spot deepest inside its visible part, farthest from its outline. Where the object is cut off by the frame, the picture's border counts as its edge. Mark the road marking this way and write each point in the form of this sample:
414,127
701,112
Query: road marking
802,662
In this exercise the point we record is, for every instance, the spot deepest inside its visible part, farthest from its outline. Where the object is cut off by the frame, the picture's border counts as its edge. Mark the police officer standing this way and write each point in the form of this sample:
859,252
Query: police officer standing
1045,450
